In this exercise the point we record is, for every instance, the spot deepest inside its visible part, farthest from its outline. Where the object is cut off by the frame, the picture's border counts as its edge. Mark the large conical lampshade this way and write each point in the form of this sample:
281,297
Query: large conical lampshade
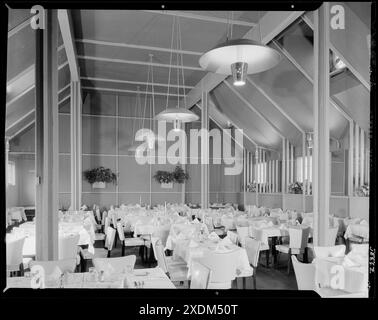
173,114
239,57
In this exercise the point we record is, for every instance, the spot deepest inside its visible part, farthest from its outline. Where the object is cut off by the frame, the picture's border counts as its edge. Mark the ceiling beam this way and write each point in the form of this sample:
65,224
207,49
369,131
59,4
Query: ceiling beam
19,120
21,130
341,56
137,46
188,15
308,77
20,26
135,82
291,120
143,63
66,29
271,25
20,95
131,91
250,106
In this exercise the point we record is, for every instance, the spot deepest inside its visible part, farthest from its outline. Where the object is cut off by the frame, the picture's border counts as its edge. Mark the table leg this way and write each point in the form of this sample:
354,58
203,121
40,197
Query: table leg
274,252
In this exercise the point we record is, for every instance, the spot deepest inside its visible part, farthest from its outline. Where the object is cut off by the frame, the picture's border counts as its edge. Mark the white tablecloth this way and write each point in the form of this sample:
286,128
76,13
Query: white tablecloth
360,230
185,251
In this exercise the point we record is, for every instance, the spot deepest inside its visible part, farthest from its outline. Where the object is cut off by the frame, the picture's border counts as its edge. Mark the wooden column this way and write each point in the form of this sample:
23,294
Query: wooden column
362,157
257,174
204,152
356,157
321,169
47,139
276,175
283,167
76,151
288,180
6,162
245,165
303,171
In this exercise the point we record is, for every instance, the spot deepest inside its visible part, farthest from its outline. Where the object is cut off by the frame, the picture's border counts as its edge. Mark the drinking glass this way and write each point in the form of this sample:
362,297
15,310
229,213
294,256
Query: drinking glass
93,274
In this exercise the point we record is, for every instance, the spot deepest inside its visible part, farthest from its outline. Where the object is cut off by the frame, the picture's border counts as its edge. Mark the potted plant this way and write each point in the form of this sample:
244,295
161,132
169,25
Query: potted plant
179,175
165,178
98,177
362,191
296,187
251,187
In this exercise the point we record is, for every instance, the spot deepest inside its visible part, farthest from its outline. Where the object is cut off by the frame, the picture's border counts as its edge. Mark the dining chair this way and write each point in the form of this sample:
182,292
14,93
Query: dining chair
176,272
15,261
103,220
243,233
332,251
298,239
233,236
65,265
252,246
98,215
130,242
257,234
304,274
109,240
68,247
331,239
118,265
223,268
200,276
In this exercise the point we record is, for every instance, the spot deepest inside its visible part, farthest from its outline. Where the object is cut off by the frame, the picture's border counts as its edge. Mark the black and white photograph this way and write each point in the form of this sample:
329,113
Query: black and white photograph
176,148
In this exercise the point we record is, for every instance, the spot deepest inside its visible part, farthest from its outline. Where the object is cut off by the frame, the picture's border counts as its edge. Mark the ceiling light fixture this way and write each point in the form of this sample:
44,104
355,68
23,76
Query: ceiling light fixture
179,114
240,57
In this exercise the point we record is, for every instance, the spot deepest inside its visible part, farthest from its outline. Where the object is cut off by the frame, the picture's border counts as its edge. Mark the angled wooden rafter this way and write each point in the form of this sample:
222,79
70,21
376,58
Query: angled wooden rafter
65,24
136,46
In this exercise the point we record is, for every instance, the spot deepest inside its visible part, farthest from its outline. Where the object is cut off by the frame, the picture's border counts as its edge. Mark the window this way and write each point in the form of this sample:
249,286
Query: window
261,172
11,173
307,169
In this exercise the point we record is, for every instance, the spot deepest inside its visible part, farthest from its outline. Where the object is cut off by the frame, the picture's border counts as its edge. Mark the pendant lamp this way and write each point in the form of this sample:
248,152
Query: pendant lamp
179,114
240,57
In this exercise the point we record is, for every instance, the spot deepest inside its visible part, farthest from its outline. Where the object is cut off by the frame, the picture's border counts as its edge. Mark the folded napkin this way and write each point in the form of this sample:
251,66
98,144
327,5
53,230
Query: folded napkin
181,236
226,241
221,248
195,221
213,236
270,224
364,222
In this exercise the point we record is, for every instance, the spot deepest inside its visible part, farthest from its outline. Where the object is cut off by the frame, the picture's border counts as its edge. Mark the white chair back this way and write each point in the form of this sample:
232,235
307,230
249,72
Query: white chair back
117,265
243,233
110,236
233,236
98,215
120,232
252,246
223,268
298,238
304,274
160,256
14,253
360,248
332,235
65,265
333,251
209,223
104,216
107,223
200,276
68,246
162,232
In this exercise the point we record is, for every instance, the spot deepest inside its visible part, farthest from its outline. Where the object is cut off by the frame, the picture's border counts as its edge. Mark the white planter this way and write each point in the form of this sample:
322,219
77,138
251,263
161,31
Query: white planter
99,185
167,185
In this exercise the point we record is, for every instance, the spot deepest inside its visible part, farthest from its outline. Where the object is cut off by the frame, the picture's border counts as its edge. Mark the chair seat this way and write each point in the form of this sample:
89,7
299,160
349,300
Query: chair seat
133,242
178,272
99,236
175,262
98,226
86,255
285,249
310,245
264,247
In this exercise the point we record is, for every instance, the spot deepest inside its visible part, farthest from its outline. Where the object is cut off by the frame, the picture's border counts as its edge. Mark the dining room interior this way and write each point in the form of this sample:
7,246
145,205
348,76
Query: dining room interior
175,149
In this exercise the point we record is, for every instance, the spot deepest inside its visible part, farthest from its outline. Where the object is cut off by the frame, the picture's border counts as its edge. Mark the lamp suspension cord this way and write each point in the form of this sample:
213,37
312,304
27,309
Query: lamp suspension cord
178,64
182,66
170,62
153,95
146,92
259,16
137,112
